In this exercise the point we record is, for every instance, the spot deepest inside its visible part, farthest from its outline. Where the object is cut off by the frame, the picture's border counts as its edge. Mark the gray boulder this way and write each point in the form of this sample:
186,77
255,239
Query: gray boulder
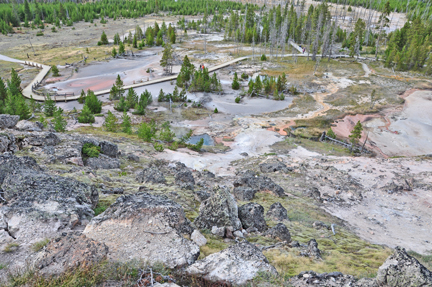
258,183
10,163
185,179
151,175
252,215
154,226
8,121
279,232
235,265
108,148
133,157
219,210
102,162
401,269
201,195
313,279
277,212
273,167
40,139
29,126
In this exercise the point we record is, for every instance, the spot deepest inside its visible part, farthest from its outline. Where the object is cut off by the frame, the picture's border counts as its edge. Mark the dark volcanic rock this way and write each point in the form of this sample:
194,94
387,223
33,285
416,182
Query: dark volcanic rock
69,251
235,265
8,121
185,179
151,175
219,210
401,269
252,215
108,148
102,162
258,183
277,212
273,167
154,226
279,232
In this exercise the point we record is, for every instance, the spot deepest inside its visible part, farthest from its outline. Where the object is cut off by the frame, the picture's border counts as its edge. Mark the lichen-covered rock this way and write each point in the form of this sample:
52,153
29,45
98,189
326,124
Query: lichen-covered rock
219,210
279,232
69,251
7,143
185,179
151,175
312,250
252,215
273,167
40,139
102,162
401,269
10,163
277,212
235,265
8,121
244,193
201,195
258,183
29,126
313,279
154,226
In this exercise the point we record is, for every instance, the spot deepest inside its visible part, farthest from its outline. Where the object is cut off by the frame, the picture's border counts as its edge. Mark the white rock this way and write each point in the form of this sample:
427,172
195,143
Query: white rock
198,238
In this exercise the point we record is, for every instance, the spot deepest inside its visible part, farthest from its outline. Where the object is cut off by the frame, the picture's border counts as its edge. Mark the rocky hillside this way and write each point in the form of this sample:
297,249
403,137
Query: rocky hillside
97,211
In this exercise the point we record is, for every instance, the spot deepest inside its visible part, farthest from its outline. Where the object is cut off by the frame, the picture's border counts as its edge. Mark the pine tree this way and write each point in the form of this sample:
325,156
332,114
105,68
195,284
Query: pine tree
117,89
331,134
3,90
122,105
126,124
59,122
145,99
86,116
55,71
82,97
235,84
27,11
110,122
356,133
49,106
104,38
167,59
114,52
131,98
117,39
15,79
93,103
121,49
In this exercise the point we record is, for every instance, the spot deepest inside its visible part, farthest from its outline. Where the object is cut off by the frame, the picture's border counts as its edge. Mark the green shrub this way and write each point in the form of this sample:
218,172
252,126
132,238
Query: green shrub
244,76
216,111
235,84
198,146
40,33
263,57
146,132
331,134
86,117
158,147
237,100
59,122
55,71
91,150
93,103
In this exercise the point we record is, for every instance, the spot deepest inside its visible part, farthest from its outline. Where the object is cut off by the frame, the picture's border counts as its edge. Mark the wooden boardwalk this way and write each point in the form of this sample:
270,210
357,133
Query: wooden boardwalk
29,93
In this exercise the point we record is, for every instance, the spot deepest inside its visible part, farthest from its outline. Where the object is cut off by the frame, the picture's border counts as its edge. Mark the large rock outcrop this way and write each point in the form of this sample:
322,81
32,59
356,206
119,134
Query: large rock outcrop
401,269
154,226
252,216
235,265
219,210
274,167
7,143
102,162
250,180
38,206
8,121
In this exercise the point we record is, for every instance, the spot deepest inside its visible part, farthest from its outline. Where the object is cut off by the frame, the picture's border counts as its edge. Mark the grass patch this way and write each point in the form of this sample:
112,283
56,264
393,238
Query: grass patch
316,146
3,266
11,247
40,244
104,203
214,245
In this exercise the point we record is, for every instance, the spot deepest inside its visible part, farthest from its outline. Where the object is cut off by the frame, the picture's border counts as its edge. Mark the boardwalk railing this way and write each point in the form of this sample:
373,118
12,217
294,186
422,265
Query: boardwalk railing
54,96
324,137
